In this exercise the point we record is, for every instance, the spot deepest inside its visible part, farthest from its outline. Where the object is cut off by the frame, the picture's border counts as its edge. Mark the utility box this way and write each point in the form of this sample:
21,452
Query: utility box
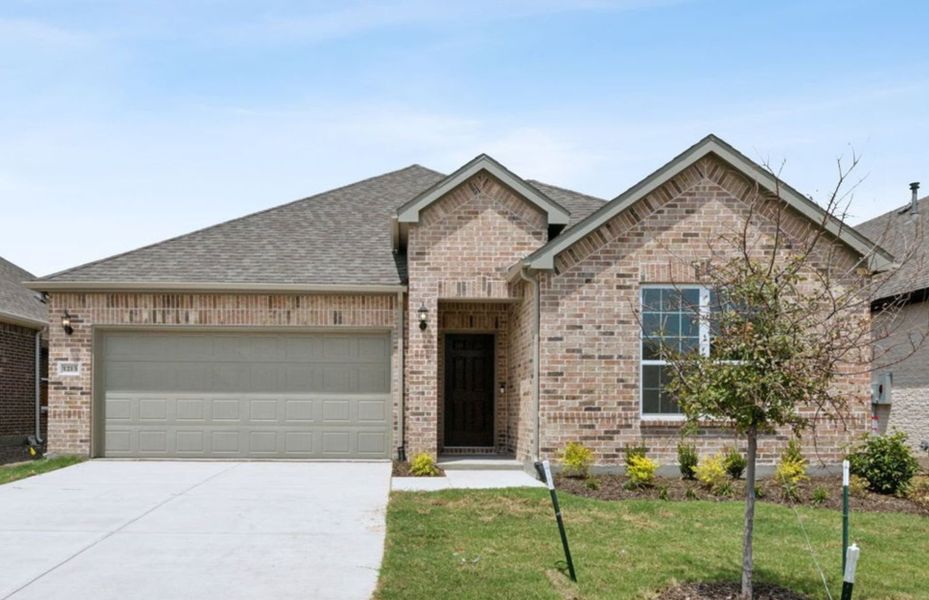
881,388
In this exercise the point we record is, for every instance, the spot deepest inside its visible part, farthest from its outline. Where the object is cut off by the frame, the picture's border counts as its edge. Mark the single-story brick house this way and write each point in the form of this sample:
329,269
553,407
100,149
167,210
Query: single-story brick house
23,317
901,379
474,312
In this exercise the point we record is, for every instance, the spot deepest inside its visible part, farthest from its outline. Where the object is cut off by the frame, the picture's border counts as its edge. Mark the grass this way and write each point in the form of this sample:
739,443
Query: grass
10,473
504,544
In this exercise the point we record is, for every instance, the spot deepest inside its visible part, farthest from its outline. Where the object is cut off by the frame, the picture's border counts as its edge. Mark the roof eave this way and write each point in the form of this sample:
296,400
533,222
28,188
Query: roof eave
22,321
211,287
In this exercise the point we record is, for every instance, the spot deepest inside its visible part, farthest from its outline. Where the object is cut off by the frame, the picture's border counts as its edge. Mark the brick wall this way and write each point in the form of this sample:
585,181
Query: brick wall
460,250
901,350
520,375
591,338
17,390
70,397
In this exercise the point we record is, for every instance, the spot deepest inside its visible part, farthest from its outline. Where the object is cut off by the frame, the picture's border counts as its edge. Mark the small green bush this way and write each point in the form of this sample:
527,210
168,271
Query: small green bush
423,465
641,471
885,461
638,450
711,472
820,495
592,484
690,494
735,463
576,459
687,459
663,493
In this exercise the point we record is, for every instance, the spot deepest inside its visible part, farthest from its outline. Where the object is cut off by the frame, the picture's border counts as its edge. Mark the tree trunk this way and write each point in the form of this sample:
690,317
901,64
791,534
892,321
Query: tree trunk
749,514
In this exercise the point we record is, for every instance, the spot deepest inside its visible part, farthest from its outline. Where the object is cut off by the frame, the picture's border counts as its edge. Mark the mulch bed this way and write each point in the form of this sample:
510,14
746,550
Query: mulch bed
611,487
726,591
402,469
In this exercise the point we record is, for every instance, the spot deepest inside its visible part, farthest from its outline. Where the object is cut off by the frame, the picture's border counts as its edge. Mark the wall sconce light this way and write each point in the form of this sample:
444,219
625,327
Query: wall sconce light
66,323
502,388
423,316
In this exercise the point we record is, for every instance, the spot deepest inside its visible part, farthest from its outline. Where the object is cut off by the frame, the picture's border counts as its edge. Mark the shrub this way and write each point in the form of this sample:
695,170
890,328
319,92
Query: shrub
885,461
820,495
857,485
687,459
423,465
576,459
918,491
663,493
711,473
631,452
734,463
641,471
592,484
690,494
791,470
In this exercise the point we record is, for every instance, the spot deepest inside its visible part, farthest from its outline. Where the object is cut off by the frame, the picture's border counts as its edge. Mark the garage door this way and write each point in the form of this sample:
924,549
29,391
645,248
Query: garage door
212,395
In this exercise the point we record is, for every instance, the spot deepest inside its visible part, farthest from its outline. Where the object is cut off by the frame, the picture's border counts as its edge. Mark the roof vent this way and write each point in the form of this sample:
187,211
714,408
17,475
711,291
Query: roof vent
914,203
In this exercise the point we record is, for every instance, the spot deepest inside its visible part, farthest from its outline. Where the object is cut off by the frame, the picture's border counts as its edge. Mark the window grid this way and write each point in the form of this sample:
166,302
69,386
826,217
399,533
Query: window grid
671,314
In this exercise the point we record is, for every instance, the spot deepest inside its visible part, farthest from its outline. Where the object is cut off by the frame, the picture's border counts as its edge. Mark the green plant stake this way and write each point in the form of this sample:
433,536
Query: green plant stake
844,514
545,472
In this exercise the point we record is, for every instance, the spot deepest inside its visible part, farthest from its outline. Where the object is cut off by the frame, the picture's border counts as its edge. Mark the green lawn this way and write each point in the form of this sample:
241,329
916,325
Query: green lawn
10,473
504,544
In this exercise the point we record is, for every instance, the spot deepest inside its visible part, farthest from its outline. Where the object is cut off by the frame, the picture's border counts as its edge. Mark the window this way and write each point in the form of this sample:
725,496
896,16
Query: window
671,318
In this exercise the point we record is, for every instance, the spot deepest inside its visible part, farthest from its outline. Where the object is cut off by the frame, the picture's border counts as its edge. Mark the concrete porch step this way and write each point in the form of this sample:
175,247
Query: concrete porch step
479,462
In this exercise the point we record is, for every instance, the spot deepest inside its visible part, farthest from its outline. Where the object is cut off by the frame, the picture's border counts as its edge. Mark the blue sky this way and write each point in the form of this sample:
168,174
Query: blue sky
126,122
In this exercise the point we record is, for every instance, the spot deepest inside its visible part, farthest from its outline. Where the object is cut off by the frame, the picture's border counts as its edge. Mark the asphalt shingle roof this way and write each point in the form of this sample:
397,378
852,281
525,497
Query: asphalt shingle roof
15,300
338,237
897,232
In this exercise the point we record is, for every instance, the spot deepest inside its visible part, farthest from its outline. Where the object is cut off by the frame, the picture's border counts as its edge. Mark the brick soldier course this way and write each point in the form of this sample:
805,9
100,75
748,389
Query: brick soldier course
553,275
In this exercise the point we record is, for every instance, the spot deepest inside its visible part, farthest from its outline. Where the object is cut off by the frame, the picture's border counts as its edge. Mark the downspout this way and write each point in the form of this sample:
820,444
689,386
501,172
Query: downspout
38,386
536,311
401,331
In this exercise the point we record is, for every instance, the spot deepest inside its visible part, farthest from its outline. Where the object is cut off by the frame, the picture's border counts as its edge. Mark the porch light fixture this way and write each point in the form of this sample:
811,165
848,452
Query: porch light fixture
66,323
502,388
423,316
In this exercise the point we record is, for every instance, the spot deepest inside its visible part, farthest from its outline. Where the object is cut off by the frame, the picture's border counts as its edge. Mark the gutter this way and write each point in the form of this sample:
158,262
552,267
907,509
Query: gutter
211,287
401,421
22,320
536,318
38,386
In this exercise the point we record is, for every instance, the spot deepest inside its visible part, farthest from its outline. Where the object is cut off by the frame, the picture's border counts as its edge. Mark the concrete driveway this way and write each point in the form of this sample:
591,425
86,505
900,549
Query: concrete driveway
164,530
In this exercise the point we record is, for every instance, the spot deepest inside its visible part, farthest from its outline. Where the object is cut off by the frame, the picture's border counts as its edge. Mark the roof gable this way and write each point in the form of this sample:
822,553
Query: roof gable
544,258
556,213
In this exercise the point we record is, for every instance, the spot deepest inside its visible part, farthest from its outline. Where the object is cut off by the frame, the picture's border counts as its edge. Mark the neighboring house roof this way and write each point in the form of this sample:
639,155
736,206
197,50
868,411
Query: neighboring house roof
898,231
338,240
409,212
544,258
18,304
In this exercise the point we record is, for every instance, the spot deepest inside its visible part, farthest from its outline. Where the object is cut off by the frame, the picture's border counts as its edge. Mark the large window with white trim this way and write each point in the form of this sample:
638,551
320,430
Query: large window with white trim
673,319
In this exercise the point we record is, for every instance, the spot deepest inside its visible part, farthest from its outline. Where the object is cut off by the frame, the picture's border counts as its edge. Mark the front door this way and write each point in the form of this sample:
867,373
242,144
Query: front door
469,390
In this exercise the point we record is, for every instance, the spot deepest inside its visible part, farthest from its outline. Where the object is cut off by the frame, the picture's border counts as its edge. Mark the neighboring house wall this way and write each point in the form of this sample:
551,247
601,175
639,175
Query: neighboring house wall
902,350
590,334
460,250
17,390
71,397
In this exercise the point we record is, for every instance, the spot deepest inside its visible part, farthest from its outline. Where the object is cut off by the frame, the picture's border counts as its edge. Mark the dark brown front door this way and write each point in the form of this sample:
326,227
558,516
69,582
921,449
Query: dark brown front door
469,390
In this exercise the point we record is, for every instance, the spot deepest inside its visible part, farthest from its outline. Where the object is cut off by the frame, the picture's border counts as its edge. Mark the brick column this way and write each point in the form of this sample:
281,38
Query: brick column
421,375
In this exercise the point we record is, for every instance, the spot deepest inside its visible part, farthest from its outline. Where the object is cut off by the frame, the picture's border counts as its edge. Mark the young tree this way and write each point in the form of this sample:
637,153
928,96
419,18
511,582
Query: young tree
789,316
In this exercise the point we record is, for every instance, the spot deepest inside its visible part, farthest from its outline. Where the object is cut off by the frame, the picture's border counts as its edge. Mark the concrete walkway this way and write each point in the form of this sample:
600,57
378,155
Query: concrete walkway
471,480
113,530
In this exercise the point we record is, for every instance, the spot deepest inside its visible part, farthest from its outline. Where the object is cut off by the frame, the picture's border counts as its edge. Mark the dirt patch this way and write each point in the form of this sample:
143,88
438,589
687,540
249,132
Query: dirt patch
402,469
820,492
725,591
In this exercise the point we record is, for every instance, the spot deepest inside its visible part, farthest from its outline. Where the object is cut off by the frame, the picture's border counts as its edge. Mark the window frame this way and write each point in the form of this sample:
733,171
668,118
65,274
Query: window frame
703,341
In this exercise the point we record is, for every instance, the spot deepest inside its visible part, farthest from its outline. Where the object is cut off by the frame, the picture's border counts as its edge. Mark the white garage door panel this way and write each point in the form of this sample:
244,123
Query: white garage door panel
242,396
